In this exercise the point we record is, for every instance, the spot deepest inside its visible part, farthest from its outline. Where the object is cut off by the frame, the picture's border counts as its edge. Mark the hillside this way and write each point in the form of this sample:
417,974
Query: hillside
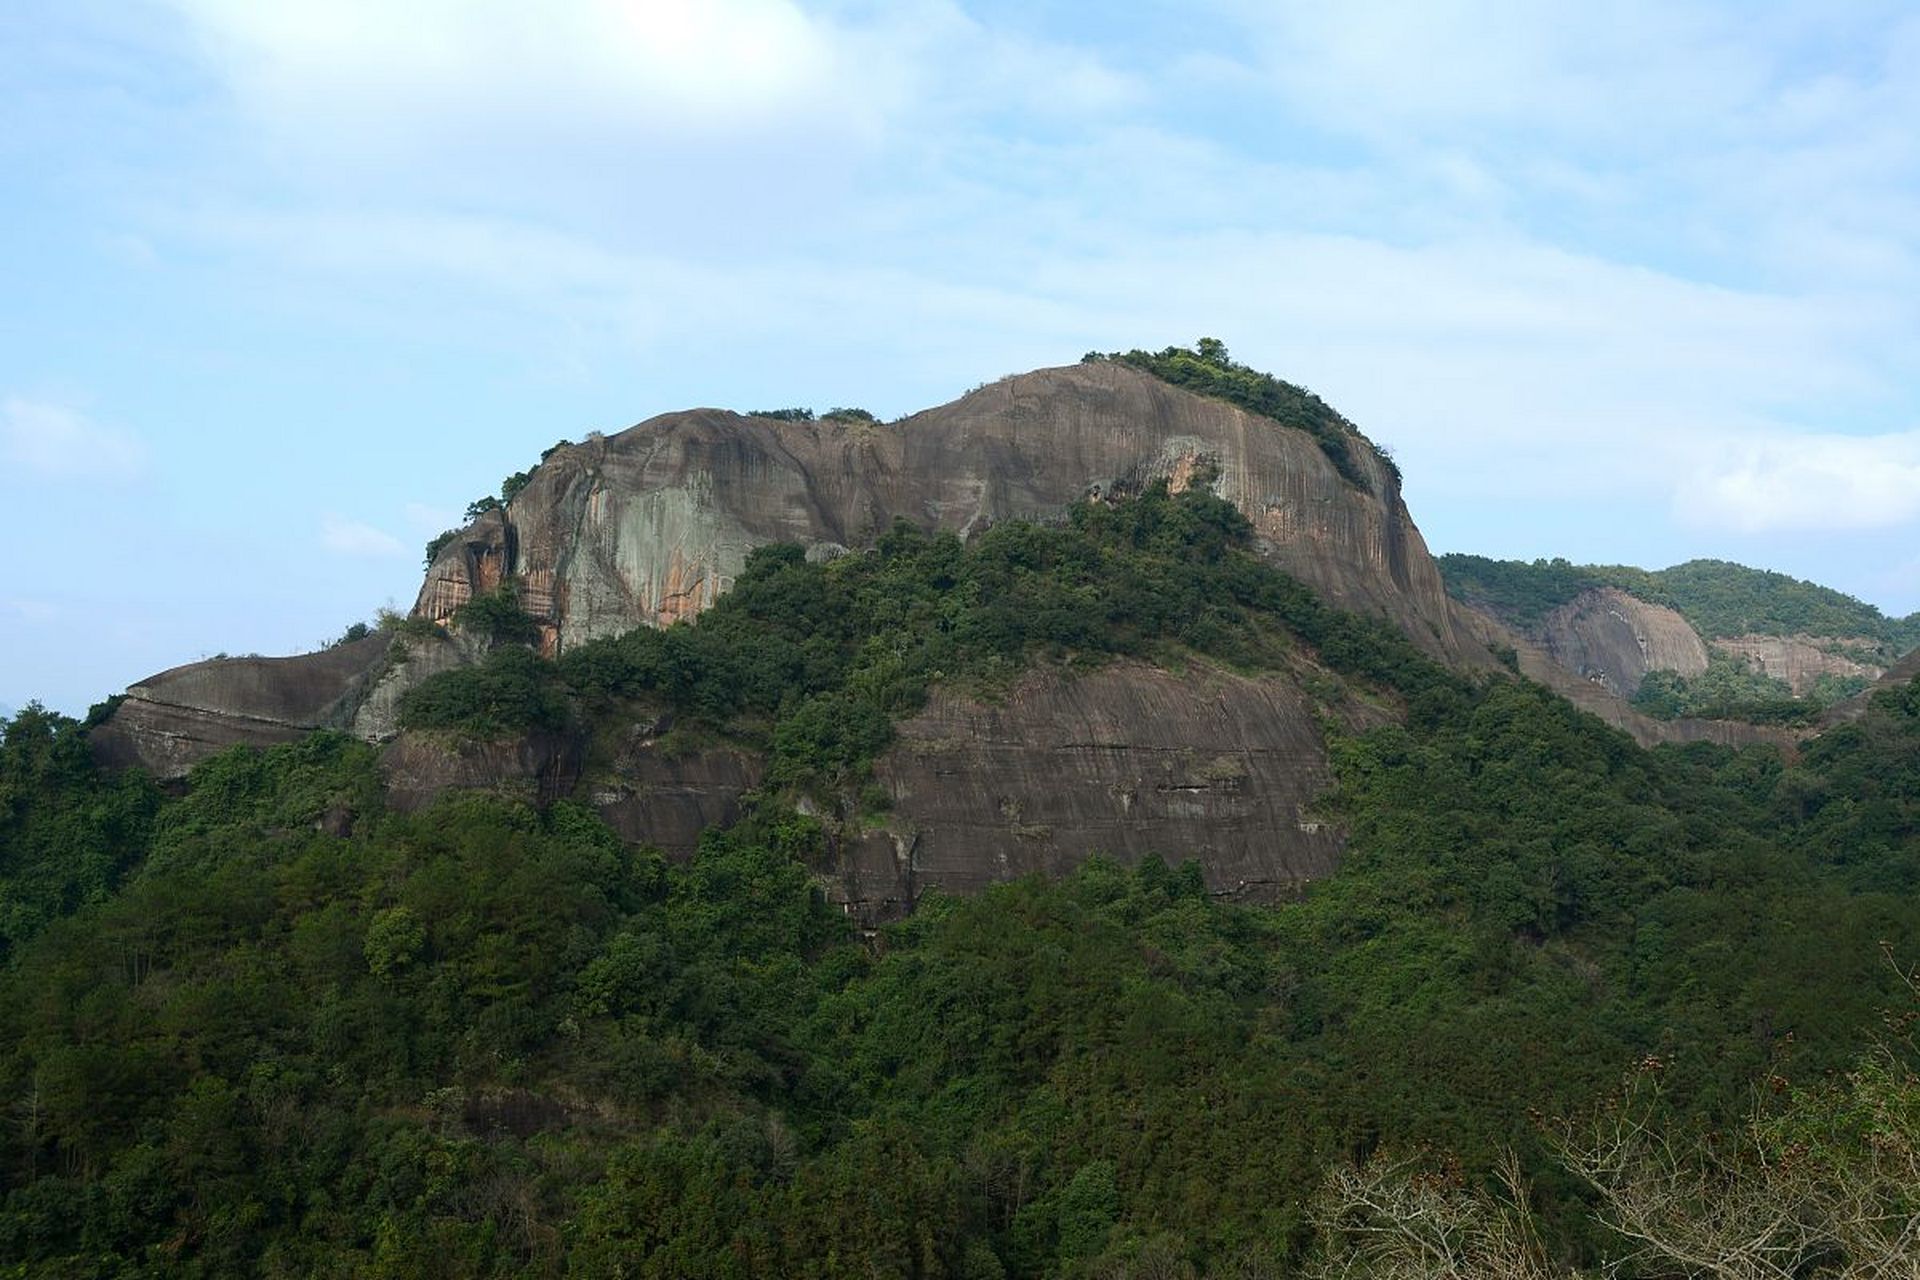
274,1024
1704,638
760,854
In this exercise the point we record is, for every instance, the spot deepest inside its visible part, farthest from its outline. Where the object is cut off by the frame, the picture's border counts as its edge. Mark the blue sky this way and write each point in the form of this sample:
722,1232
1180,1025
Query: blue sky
287,285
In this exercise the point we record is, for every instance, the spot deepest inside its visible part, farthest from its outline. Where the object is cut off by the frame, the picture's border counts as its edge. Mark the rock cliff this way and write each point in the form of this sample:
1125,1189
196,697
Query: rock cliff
650,525
1800,660
1614,639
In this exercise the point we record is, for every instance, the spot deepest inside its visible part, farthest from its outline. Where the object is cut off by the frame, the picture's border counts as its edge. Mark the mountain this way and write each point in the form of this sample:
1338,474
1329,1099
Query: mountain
1719,639
569,953
653,525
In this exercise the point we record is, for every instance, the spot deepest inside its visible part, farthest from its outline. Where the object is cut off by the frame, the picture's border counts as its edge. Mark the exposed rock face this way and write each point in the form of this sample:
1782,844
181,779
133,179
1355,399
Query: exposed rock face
1800,660
541,767
1126,761
652,524
172,721
656,793
1614,639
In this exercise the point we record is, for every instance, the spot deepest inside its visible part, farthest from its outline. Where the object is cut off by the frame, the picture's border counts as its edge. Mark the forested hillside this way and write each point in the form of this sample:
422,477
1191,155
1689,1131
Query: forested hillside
1719,598
268,1026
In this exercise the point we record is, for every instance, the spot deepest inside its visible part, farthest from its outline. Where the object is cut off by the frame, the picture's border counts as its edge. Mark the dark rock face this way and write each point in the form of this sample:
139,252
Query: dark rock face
172,721
541,767
657,794
1126,761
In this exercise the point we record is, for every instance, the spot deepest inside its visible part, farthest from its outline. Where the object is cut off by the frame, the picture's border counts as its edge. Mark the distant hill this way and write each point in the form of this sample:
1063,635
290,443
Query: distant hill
1705,639
1721,599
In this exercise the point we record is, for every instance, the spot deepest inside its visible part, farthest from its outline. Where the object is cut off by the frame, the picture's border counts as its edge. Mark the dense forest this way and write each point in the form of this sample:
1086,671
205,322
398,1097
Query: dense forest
262,1024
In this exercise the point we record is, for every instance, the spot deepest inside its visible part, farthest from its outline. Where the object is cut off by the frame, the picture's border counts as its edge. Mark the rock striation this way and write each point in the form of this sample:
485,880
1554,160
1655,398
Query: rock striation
1800,660
652,524
171,721
1615,639
1125,761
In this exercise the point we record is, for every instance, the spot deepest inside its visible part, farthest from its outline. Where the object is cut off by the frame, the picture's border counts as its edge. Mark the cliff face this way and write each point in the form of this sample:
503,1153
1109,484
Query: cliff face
1800,660
649,526
652,524
172,721
1126,761
1614,639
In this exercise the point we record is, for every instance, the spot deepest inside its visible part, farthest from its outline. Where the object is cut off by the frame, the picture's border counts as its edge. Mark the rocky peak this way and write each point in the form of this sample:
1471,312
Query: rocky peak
651,525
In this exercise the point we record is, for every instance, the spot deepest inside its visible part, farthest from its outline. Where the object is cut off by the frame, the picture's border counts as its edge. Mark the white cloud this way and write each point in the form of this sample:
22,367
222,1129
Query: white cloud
686,65
1808,482
353,538
58,442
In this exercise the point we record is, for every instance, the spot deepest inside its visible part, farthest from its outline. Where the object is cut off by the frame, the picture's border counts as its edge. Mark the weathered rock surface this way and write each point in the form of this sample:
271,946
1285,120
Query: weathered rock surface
656,792
1614,639
1126,761
1802,659
540,767
650,525
172,721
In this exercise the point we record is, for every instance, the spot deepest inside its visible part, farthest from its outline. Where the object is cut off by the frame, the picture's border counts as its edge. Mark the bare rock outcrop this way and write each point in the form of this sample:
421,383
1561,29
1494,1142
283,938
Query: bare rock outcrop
652,524
171,721
1800,660
1126,761
1614,639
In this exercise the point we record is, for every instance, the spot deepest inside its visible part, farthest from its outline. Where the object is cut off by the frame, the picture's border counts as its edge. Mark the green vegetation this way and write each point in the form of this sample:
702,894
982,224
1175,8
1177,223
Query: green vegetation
68,833
782,415
816,661
438,543
487,1041
1720,599
498,616
267,1026
1732,689
1206,368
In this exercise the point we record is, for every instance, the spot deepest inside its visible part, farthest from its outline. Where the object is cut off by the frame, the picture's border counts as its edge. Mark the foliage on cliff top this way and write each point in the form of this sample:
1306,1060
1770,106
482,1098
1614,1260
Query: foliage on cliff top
828,656
1207,369
1719,598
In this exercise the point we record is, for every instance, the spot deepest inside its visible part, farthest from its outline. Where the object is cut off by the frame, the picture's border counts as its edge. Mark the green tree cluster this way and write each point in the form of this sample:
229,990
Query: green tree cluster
1207,369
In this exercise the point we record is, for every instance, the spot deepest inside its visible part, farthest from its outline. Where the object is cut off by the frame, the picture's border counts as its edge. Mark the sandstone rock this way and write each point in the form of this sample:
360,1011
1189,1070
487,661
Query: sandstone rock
659,793
651,525
1126,761
1802,659
1614,639
172,721
540,767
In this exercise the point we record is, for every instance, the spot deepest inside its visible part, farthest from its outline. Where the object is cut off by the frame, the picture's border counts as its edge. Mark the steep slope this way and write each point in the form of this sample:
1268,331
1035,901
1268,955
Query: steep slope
1614,639
652,524
1778,637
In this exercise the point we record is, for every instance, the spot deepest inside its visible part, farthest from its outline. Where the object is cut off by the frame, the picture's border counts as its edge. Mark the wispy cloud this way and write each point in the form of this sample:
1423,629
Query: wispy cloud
55,441
354,538
1809,482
